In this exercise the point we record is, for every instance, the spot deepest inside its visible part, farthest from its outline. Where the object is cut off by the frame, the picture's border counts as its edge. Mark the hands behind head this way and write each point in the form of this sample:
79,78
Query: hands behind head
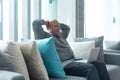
53,26
47,24
50,23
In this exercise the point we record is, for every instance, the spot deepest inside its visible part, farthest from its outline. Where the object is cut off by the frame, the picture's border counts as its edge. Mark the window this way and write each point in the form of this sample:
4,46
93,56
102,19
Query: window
16,17
102,17
1,19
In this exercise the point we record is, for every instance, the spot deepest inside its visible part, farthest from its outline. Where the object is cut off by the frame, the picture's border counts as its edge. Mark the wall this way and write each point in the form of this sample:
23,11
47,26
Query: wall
116,24
95,17
99,18
66,14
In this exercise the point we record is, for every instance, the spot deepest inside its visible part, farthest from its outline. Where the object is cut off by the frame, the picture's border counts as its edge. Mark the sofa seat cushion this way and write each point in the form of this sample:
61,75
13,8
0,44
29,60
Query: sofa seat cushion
8,75
114,71
69,78
113,45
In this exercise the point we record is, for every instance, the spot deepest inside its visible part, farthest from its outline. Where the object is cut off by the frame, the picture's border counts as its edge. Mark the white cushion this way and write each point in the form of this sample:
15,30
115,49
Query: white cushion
82,49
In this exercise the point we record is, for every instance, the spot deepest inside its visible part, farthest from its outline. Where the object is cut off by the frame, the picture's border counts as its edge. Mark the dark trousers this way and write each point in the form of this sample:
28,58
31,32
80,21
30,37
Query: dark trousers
102,71
92,71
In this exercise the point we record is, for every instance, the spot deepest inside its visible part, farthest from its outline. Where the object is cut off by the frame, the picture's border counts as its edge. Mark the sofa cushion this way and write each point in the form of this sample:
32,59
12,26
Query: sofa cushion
5,63
50,57
16,57
70,78
36,68
82,49
98,43
8,75
114,71
114,45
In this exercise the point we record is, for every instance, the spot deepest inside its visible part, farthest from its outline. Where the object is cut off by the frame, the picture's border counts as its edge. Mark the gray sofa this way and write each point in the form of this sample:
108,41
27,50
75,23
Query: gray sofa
14,67
70,78
110,55
111,58
8,75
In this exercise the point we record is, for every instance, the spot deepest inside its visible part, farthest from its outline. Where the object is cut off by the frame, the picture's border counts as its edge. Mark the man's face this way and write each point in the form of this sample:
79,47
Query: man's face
55,28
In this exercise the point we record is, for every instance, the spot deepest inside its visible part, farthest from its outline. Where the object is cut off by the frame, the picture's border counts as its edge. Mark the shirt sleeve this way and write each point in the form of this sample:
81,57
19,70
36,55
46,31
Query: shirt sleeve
39,33
65,29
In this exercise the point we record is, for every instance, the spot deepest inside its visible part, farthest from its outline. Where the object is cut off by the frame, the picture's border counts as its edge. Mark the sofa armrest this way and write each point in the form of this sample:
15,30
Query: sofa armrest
112,51
112,57
8,75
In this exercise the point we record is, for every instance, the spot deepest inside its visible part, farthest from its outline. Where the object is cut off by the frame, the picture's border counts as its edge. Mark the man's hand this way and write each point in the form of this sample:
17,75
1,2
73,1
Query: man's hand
47,24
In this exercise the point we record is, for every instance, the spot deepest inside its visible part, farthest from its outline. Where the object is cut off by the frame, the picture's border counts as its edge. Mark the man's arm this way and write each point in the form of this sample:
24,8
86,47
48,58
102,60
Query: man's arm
39,33
65,29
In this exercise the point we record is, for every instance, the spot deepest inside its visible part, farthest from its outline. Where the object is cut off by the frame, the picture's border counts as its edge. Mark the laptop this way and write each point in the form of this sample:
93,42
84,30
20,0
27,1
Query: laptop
92,57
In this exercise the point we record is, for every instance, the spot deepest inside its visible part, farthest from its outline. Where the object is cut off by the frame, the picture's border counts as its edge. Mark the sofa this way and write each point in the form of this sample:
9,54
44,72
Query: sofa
26,69
109,54
8,75
112,58
23,61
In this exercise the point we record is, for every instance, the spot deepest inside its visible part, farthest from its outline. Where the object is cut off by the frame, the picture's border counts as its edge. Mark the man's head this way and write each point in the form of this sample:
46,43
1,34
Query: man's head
54,27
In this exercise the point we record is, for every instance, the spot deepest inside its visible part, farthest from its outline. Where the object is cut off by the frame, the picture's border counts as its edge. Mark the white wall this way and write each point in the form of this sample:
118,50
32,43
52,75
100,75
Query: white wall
95,17
116,25
99,18
66,14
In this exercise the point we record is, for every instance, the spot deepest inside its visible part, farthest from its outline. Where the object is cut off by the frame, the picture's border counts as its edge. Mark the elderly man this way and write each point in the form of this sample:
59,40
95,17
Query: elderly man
60,32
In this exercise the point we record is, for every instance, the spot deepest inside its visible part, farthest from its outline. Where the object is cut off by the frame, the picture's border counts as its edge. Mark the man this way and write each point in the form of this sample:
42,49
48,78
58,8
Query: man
60,32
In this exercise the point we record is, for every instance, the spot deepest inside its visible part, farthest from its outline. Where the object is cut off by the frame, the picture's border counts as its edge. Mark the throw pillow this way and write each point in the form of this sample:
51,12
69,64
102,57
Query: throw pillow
98,43
82,49
114,45
36,68
5,63
16,58
50,57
